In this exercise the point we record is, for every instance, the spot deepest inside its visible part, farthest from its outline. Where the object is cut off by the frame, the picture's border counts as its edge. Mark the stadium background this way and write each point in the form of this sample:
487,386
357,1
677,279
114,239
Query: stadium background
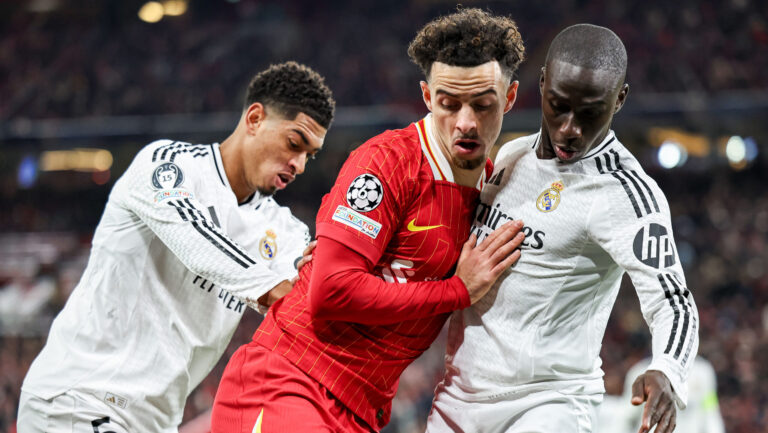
83,85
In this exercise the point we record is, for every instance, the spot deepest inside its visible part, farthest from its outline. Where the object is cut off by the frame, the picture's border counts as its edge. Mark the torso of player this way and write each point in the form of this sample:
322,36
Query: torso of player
536,323
432,222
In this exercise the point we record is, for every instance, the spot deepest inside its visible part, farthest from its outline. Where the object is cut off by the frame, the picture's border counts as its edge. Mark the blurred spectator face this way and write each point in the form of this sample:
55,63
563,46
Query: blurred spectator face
467,105
276,148
577,106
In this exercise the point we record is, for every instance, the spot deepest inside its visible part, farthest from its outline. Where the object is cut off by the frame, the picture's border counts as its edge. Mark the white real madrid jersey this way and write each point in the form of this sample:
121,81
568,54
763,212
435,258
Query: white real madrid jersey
586,223
174,262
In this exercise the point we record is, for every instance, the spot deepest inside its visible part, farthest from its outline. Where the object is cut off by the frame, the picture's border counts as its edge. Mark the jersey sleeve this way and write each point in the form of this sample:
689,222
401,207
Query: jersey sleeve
367,201
342,287
631,221
163,195
292,248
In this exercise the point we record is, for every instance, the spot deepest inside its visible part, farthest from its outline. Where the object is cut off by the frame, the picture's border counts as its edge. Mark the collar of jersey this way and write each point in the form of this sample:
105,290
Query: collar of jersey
254,199
609,138
441,167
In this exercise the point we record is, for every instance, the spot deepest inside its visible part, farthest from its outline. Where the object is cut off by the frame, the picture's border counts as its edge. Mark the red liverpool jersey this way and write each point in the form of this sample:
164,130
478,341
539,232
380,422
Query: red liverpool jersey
394,202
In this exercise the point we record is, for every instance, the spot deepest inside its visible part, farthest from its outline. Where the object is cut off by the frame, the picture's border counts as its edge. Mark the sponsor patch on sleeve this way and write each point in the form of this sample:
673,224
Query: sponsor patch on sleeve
173,193
357,221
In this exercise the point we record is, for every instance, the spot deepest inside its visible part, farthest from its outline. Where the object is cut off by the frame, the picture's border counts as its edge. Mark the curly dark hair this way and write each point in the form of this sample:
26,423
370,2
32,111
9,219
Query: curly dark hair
290,88
469,37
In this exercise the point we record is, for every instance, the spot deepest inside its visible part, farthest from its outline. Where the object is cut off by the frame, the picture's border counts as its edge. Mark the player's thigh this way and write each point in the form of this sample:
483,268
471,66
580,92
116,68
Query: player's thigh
66,413
264,392
556,412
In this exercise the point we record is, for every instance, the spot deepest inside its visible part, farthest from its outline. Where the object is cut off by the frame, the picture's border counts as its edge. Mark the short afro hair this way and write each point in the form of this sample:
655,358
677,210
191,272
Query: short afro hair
290,88
469,37
591,47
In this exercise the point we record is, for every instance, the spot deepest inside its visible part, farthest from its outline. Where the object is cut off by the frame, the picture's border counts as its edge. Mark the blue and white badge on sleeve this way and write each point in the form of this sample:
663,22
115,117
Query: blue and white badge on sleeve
167,176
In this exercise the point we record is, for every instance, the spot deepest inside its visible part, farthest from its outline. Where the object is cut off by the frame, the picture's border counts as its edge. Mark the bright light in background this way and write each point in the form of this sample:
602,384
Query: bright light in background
671,154
750,149
174,8
735,150
77,159
27,174
151,12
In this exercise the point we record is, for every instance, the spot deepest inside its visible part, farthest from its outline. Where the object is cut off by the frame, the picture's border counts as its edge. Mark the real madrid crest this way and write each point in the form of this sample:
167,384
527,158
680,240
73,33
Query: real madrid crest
268,245
550,198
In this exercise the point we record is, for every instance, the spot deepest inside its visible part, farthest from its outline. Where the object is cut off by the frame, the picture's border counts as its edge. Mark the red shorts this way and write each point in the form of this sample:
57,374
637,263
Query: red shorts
262,391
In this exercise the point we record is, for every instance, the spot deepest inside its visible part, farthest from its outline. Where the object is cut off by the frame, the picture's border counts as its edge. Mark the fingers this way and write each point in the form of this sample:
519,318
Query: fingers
508,262
667,421
638,391
500,236
509,247
308,250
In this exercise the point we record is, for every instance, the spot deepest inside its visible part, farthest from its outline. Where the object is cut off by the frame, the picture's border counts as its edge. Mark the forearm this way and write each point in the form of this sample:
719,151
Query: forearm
342,287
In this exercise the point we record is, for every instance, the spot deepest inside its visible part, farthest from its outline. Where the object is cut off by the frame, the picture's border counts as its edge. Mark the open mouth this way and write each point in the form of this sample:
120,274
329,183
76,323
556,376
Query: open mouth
466,146
284,179
564,154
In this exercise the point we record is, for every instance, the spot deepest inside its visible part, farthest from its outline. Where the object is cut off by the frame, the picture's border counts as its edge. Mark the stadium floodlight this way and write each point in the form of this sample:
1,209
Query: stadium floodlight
151,12
174,8
735,150
750,149
671,154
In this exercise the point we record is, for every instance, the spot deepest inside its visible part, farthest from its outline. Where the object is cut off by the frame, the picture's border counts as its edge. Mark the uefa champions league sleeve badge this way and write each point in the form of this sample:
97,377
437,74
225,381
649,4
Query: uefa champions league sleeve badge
365,193
167,176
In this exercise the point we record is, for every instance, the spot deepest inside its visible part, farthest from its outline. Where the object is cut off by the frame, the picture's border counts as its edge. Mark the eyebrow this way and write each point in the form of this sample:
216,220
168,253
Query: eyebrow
558,95
474,95
304,139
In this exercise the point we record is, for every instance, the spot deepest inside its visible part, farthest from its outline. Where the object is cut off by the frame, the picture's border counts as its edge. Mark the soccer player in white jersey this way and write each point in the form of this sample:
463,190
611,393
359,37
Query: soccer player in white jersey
702,414
189,237
525,358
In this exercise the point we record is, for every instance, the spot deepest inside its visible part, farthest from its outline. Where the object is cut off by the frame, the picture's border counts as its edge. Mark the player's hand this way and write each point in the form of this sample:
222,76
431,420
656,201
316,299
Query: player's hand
480,265
277,292
654,388
285,286
306,257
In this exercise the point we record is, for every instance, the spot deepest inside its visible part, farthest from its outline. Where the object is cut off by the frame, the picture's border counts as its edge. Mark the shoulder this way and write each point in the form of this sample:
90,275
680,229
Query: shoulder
514,149
280,215
618,174
393,154
169,151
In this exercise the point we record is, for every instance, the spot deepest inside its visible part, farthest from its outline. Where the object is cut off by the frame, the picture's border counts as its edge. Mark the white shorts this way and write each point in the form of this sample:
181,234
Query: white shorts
70,412
527,412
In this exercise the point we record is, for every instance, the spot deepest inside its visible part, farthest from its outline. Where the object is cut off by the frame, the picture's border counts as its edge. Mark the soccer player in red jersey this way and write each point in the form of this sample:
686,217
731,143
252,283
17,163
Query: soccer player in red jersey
328,356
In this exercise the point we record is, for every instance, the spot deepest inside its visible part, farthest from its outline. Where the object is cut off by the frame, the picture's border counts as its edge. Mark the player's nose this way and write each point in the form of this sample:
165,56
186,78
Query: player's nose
466,120
570,128
298,163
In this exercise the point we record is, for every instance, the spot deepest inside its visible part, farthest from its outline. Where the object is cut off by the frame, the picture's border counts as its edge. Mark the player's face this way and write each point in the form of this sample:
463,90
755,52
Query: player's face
277,149
577,106
467,105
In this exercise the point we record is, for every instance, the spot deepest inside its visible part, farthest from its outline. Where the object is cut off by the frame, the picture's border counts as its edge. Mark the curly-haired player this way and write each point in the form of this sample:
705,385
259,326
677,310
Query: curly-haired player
381,284
189,237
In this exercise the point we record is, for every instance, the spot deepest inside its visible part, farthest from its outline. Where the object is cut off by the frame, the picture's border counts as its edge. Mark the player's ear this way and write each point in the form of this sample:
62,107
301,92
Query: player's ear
511,95
254,115
622,98
426,95
541,79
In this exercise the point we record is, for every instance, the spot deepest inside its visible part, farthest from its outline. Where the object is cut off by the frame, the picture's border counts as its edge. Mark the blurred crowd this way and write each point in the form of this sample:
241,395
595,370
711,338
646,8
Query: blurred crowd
201,61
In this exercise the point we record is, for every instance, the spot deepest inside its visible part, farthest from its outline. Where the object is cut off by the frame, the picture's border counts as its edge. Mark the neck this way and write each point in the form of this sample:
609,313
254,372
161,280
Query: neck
544,148
465,177
233,168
